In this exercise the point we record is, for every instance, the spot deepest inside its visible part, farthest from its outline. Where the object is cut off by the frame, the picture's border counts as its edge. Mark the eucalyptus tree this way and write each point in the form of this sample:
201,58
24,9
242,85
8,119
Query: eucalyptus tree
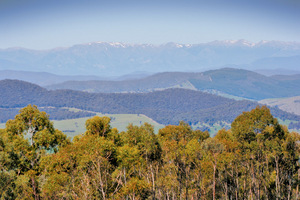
181,157
29,137
269,150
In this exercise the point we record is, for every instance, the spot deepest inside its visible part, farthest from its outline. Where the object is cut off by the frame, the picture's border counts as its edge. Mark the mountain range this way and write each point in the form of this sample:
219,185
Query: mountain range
116,59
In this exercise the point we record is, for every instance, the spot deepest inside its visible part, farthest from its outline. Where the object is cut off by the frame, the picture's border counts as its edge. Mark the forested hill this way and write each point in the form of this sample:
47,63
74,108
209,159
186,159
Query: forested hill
166,107
236,82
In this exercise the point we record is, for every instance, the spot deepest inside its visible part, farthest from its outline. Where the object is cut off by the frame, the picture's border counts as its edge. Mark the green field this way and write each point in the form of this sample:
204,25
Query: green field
73,127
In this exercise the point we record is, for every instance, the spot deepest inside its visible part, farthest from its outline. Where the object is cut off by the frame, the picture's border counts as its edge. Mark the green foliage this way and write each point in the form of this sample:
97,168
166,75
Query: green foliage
25,140
98,126
259,121
257,159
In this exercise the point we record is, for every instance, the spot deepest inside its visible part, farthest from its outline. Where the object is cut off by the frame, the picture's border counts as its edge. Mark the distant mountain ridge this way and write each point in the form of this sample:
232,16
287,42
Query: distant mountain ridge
154,82
236,82
116,59
166,107
45,78
42,78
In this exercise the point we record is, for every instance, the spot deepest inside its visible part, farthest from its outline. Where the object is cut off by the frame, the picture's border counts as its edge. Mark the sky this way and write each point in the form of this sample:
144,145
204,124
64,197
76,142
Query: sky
47,24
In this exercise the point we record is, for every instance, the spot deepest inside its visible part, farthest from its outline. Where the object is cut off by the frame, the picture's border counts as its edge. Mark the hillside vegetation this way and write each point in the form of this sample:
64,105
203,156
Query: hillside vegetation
165,107
55,113
75,127
257,159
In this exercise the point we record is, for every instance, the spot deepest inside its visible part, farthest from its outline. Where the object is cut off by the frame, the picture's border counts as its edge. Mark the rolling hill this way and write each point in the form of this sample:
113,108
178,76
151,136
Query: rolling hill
235,82
166,107
151,83
248,84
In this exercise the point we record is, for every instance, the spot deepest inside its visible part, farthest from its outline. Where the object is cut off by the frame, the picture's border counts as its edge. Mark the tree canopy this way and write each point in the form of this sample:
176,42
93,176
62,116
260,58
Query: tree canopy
257,159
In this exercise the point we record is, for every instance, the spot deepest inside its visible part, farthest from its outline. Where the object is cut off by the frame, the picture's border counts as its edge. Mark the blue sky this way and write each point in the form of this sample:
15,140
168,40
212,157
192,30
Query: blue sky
41,24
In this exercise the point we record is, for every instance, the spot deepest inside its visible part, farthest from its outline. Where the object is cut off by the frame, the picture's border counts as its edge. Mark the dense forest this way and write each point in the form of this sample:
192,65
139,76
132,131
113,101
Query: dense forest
256,159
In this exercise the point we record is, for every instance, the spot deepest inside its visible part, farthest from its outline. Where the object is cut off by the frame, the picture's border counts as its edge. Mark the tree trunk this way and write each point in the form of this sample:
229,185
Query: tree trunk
36,197
277,178
226,190
297,189
153,182
290,177
214,180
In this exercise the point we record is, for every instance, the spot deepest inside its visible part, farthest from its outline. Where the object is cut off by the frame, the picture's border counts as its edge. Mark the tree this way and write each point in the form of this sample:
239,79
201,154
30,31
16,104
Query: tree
84,169
180,157
98,126
257,121
29,137
138,158
270,154
213,150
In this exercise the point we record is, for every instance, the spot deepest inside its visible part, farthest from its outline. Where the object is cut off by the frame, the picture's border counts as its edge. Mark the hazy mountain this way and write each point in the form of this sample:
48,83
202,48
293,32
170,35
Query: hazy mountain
151,83
116,59
236,82
272,72
166,107
248,84
134,75
44,78
288,62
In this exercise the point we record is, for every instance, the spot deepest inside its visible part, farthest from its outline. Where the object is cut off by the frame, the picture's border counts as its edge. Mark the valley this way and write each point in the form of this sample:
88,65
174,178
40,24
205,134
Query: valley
146,82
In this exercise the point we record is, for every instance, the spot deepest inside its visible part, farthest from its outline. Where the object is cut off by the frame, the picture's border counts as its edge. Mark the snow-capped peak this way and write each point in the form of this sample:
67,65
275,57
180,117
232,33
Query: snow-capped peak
234,42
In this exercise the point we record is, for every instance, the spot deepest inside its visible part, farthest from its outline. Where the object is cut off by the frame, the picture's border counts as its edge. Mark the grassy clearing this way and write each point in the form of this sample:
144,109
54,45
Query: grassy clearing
73,127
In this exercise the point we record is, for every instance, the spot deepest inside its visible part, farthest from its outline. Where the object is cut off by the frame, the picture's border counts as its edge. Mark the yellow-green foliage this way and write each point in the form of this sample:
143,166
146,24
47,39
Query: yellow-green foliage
257,159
